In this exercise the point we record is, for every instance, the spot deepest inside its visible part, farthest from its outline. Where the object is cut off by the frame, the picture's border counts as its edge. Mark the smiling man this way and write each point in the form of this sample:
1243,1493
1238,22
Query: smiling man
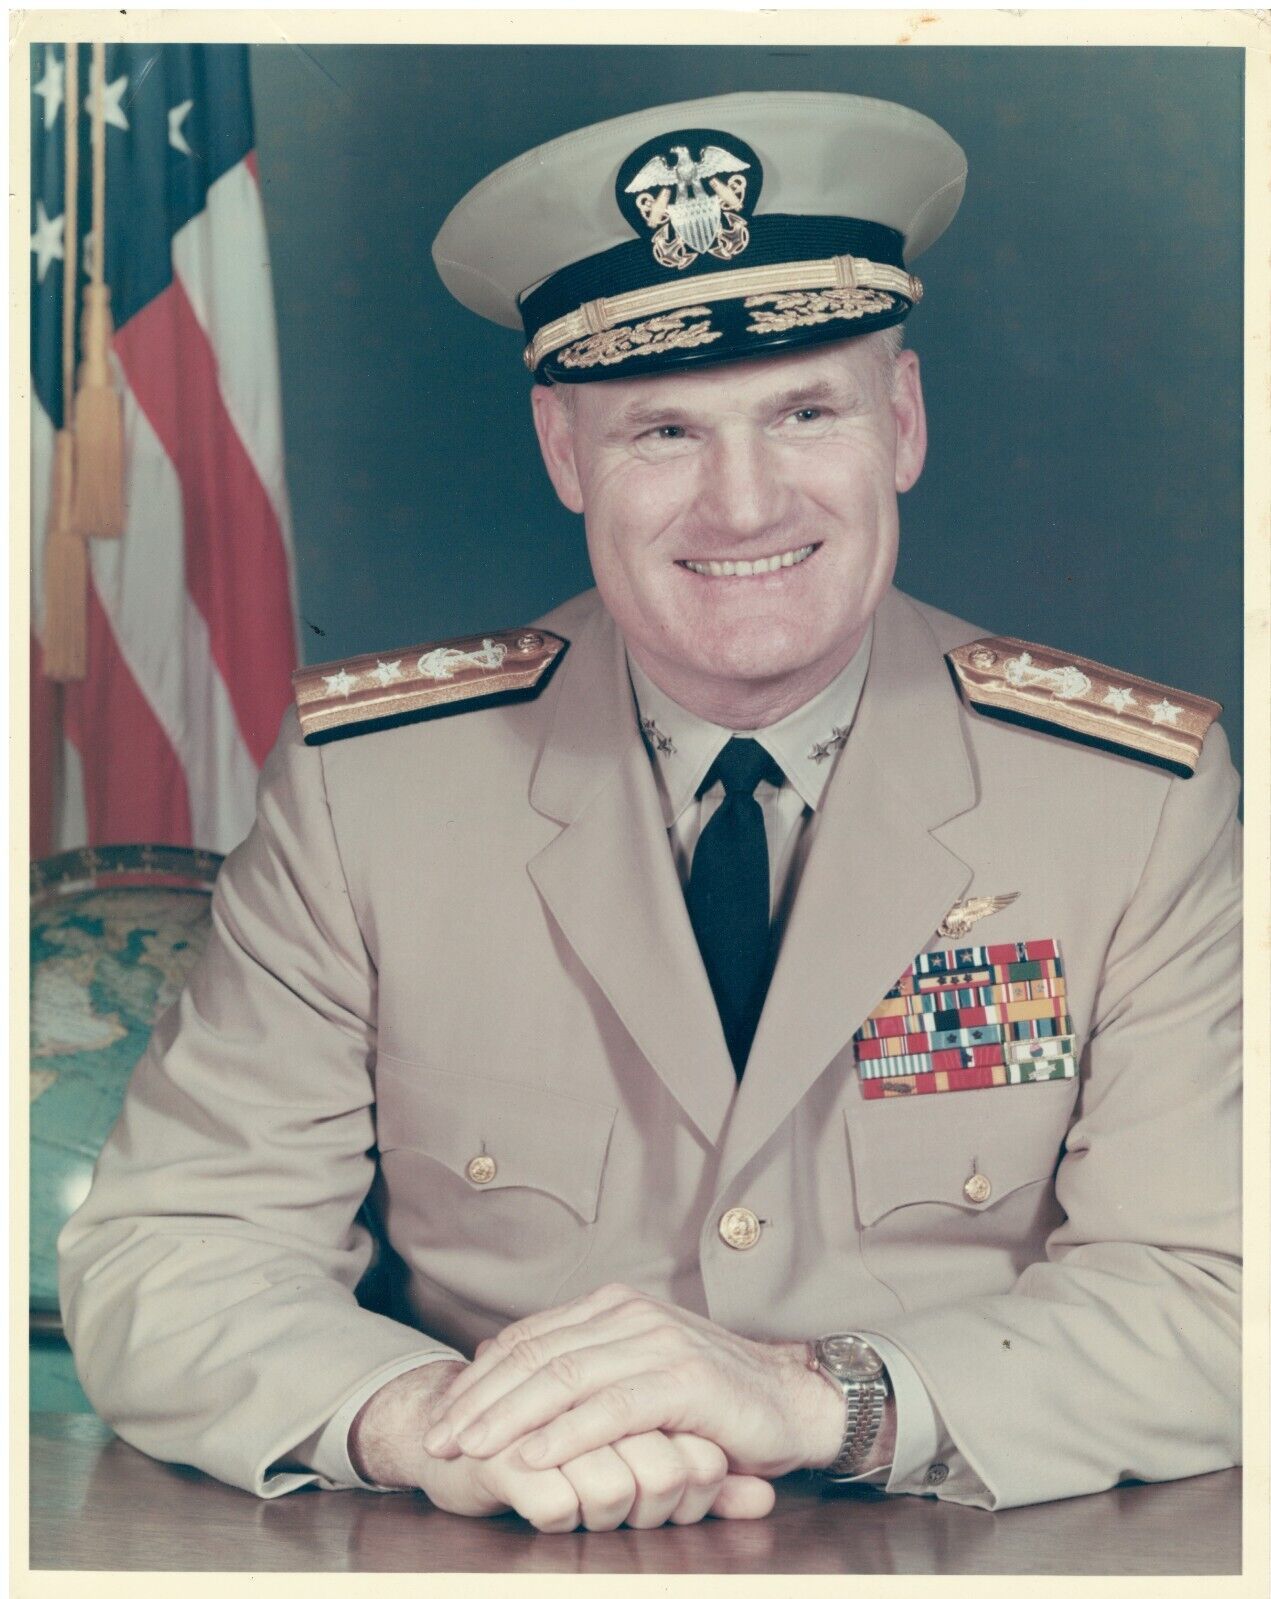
742,520
775,1025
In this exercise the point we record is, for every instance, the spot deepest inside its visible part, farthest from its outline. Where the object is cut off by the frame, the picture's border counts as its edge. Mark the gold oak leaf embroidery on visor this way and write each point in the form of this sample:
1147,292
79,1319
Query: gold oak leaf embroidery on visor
804,309
672,331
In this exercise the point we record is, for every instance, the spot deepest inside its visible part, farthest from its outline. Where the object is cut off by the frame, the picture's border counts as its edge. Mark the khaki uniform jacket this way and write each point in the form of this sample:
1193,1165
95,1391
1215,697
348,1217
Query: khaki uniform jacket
467,937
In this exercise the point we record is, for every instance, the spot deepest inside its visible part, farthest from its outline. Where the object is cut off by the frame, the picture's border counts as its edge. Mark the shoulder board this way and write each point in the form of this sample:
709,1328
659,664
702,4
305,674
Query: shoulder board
1050,690
340,699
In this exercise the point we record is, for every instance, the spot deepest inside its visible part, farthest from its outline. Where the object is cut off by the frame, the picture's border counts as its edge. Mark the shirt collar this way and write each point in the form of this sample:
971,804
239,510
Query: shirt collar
804,744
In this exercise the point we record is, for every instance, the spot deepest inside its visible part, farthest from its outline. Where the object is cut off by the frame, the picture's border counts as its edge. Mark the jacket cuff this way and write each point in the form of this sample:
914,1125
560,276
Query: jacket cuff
325,1452
925,1455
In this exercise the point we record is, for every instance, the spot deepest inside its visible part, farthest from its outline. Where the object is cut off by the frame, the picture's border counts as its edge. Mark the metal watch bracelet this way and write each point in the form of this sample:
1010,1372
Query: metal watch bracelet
856,1368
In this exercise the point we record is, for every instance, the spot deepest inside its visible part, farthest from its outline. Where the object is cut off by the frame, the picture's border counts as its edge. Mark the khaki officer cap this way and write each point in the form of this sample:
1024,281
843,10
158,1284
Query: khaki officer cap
710,230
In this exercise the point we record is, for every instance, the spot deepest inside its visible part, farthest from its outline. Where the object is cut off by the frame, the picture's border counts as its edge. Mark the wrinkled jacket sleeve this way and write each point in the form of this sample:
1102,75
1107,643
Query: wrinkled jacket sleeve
1118,1356
208,1280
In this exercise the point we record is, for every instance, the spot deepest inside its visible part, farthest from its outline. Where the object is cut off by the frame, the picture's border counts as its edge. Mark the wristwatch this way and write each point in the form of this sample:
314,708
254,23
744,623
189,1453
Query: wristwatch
856,1368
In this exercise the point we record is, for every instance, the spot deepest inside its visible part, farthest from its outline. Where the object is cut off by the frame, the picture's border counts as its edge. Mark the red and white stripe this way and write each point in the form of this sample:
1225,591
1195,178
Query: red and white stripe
191,621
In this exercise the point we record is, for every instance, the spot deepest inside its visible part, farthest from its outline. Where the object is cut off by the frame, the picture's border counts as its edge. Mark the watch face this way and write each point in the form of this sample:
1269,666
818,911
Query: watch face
850,1357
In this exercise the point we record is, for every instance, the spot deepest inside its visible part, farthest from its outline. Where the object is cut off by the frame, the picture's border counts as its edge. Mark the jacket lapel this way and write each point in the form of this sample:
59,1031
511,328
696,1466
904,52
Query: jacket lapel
610,882
877,881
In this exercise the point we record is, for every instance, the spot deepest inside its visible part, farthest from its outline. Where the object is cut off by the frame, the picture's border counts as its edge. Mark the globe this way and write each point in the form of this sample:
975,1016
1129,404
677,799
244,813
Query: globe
108,957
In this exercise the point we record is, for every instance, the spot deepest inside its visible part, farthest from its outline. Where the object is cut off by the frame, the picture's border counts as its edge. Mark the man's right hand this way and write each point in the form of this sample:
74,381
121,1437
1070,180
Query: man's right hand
643,1481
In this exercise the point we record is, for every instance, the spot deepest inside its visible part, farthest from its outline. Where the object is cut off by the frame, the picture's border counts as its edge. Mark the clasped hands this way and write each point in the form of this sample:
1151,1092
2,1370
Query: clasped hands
612,1408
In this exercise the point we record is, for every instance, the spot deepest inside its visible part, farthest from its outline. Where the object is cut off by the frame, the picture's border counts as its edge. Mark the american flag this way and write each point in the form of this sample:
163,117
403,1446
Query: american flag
190,619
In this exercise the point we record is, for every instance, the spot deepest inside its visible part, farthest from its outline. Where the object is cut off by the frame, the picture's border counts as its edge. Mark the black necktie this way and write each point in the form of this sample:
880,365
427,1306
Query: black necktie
727,892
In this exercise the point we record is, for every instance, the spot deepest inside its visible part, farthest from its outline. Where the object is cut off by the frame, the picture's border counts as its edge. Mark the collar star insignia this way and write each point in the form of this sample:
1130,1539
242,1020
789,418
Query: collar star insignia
823,751
1163,713
661,741
340,683
1119,699
386,672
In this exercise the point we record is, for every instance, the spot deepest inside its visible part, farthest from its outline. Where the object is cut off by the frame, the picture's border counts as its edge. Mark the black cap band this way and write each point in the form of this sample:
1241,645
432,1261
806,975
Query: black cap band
773,239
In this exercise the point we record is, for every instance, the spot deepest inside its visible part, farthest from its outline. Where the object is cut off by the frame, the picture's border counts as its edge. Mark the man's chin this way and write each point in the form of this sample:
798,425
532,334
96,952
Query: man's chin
752,662
759,649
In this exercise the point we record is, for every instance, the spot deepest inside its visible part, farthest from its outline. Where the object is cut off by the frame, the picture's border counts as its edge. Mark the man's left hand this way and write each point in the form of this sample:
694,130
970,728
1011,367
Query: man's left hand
617,1363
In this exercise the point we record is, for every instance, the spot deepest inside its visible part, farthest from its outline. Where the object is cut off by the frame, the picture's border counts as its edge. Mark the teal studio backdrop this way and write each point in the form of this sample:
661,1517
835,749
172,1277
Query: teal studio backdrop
1081,338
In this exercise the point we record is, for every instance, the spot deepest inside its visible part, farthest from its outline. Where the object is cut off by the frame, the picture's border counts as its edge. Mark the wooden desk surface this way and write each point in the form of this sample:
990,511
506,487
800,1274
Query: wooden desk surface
98,1504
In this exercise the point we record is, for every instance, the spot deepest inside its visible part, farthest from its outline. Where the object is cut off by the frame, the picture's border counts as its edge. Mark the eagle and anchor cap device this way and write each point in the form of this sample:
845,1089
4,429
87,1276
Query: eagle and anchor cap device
705,231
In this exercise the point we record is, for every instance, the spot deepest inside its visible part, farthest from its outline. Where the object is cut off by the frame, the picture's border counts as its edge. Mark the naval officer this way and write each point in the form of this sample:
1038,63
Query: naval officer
770,1023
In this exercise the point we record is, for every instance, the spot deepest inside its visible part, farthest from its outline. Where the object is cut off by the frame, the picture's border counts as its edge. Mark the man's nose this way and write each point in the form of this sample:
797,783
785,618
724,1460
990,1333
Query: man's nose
741,487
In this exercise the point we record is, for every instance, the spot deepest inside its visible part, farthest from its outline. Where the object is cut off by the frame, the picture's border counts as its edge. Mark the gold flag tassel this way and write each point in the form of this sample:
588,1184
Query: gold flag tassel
99,422
65,638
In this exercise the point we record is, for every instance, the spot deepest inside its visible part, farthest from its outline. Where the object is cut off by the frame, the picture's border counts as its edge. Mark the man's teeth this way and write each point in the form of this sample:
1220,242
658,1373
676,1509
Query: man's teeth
769,563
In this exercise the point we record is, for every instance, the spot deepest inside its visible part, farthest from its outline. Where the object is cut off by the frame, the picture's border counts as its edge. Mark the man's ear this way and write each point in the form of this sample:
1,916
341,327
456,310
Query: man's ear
911,421
555,430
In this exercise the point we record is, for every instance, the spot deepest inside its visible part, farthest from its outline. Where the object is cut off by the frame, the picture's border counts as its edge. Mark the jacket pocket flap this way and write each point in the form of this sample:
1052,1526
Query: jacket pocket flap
496,1134
942,1150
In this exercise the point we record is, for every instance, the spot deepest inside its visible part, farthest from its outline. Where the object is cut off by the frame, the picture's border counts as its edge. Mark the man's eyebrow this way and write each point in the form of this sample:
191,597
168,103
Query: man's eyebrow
640,414
643,414
814,393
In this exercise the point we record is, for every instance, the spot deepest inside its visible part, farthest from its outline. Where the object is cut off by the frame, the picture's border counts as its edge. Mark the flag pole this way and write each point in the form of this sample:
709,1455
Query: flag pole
99,429
65,642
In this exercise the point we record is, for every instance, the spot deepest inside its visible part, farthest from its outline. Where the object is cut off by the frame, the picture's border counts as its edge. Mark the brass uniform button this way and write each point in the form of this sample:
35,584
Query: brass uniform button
936,1474
527,642
739,1228
977,1188
481,1169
